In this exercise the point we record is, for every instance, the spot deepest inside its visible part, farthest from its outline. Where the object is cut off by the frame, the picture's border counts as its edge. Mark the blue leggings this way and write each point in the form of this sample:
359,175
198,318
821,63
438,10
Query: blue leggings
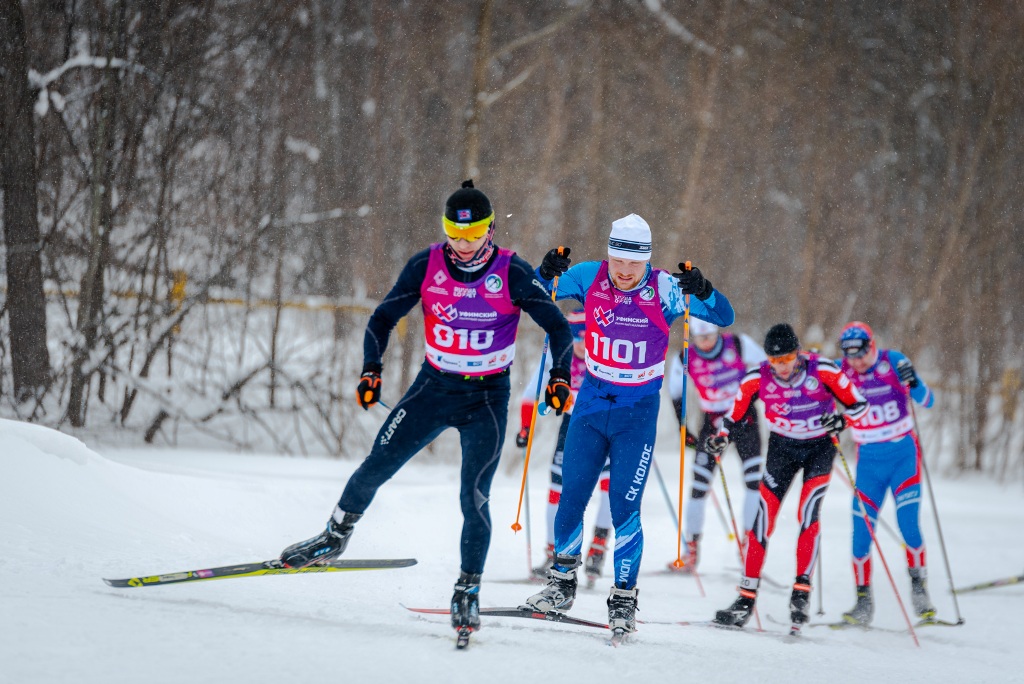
624,434
883,467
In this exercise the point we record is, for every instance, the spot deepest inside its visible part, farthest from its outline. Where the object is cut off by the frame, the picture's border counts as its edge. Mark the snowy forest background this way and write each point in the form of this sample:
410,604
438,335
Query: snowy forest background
202,200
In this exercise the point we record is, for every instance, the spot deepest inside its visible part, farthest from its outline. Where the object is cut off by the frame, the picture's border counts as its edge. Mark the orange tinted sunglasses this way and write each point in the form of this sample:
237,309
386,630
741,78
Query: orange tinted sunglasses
784,358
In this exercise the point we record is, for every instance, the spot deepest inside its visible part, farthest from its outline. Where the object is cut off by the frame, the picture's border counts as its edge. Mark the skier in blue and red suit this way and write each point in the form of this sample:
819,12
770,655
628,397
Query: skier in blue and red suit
471,293
888,459
629,308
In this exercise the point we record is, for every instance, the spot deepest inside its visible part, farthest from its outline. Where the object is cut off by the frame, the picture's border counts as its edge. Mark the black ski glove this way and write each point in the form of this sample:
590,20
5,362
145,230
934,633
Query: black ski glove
715,444
555,263
692,281
907,374
834,423
557,394
368,392
523,437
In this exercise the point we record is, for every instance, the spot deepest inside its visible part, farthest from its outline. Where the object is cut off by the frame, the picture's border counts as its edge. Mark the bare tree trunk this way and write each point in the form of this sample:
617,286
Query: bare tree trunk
26,303
481,58
91,297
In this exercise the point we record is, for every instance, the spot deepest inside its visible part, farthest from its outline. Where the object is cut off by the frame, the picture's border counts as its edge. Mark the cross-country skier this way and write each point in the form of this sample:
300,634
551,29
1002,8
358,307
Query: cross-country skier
629,307
799,390
717,363
888,459
471,292
595,556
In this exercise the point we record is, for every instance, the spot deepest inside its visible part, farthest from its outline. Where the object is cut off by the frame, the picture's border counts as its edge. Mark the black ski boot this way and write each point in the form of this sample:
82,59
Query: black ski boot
541,570
863,611
800,600
595,557
466,602
622,610
560,591
738,614
919,593
324,547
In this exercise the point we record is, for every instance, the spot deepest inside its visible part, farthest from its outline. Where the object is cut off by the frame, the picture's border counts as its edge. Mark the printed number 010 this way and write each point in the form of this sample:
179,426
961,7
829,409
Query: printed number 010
447,337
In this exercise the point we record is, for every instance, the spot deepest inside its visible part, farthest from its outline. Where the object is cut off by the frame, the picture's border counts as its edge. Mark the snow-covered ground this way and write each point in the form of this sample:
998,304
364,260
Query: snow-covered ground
70,516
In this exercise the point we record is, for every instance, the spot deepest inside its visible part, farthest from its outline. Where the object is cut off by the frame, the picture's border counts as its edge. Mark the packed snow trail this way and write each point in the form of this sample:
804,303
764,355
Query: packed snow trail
70,516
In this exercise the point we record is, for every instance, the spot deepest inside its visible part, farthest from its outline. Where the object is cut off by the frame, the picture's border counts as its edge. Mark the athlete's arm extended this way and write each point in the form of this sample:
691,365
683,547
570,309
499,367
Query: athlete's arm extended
844,390
750,386
715,309
403,297
528,293
574,283
920,393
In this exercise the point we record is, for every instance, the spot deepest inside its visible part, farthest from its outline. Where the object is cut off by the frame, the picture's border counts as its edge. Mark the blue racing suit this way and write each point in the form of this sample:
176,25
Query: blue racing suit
618,422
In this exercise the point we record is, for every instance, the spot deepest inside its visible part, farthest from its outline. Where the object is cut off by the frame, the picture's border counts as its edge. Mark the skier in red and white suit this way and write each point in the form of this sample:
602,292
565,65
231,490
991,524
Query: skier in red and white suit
799,390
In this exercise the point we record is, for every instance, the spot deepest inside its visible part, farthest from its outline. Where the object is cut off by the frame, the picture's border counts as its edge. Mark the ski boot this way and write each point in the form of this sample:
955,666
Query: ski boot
324,547
800,602
466,602
560,591
738,614
595,557
541,571
919,593
622,610
863,611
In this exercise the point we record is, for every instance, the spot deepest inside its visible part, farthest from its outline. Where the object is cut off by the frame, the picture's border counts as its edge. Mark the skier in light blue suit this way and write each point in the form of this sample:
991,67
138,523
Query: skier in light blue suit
629,307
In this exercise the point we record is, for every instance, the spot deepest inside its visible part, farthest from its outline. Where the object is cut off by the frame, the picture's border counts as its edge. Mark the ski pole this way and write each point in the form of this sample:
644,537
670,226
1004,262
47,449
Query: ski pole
533,416
668,497
672,512
935,510
874,540
1004,582
682,424
880,521
735,530
728,503
821,581
529,545
721,514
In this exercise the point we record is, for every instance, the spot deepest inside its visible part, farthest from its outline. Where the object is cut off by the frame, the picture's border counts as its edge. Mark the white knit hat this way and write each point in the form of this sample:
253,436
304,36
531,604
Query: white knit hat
630,239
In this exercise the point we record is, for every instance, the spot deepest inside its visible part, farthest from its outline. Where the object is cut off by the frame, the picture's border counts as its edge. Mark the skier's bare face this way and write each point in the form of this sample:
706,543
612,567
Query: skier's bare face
579,348
864,363
626,273
466,248
706,342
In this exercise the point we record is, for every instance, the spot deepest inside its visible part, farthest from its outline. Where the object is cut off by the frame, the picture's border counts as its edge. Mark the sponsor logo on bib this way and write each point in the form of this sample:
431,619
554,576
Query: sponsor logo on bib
493,283
445,313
